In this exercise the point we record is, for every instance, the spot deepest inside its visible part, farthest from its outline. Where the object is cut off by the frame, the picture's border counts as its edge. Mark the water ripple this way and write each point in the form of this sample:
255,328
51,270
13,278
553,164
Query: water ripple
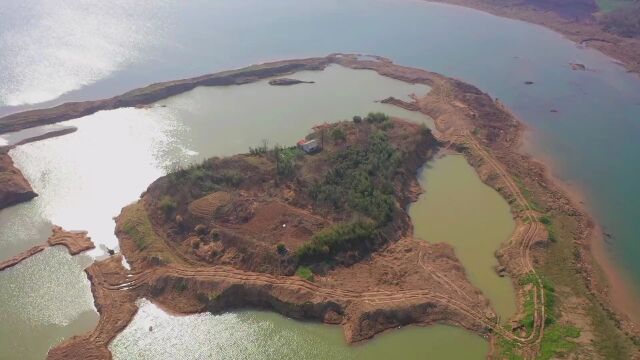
60,46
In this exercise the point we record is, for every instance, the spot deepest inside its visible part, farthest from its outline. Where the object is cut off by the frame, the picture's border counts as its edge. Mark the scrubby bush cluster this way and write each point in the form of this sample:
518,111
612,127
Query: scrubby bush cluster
338,134
286,160
340,237
167,205
361,184
281,249
361,180
305,273
377,117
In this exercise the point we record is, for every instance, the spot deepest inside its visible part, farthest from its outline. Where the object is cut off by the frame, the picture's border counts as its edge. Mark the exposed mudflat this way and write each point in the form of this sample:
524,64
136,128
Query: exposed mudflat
75,241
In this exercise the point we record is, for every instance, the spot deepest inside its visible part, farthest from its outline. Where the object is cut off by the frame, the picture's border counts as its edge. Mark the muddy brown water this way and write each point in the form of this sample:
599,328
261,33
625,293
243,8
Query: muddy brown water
458,209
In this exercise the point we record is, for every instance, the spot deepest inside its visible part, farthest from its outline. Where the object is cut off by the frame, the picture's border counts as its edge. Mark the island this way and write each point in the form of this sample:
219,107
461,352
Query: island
76,242
307,231
14,188
287,82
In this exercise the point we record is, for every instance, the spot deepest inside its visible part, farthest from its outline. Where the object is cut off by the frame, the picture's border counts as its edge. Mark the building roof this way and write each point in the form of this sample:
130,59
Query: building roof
307,142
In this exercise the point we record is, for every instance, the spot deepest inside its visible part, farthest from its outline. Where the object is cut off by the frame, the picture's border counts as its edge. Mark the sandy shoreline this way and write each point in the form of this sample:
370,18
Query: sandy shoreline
626,51
615,289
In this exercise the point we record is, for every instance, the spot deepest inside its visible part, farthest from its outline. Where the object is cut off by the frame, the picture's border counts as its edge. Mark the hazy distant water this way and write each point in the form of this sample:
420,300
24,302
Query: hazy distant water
48,48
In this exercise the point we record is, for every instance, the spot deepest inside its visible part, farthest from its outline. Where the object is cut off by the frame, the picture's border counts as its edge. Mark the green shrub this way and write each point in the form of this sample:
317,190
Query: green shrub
386,125
357,119
425,131
285,160
361,180
305,273
377,117
545,219
338,134
167,205
181,285
337,238
281,248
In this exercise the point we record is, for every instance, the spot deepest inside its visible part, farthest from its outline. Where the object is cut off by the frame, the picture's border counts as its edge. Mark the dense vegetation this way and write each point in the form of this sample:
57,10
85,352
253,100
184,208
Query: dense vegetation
361,180
285,159
359,188
340,237
305,273
361,185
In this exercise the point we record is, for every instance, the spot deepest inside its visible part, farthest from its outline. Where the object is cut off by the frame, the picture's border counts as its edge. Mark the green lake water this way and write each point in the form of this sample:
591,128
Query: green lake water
44,300
458,209
265,335
77,50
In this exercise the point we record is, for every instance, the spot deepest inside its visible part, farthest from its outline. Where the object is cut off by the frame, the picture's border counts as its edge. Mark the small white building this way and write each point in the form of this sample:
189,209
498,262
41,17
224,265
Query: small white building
309,146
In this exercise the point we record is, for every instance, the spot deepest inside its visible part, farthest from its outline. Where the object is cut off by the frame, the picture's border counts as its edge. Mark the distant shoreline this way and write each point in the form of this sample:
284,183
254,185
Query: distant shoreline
626,51
616,289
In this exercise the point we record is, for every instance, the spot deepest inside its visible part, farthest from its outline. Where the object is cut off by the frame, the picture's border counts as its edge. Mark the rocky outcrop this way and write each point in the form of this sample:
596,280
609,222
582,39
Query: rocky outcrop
75,241
14,188
287,82
15,260
399,103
